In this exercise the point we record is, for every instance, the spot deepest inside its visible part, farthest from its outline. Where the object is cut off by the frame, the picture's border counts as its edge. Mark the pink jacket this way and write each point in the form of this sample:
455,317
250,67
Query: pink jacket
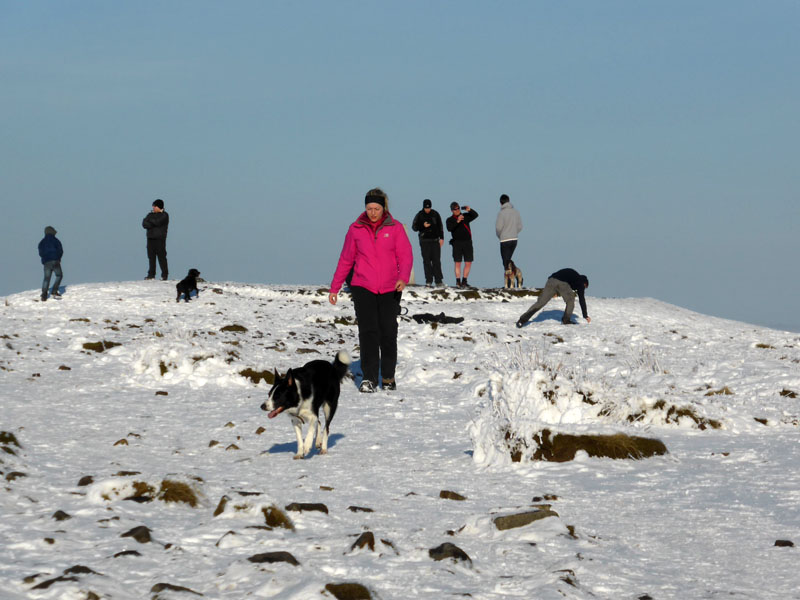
381,257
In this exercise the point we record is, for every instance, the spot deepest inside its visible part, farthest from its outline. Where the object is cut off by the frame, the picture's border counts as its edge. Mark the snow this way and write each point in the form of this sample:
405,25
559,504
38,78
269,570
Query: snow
168,403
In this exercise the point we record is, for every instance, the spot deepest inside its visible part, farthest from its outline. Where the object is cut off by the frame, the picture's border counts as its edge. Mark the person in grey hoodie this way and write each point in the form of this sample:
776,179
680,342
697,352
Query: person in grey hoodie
507,227
51,251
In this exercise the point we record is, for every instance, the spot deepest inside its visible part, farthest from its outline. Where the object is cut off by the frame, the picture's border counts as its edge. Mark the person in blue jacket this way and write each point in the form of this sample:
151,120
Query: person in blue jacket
51,251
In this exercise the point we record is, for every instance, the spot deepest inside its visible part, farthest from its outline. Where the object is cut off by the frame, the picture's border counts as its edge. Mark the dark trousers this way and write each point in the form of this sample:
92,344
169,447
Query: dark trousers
50,267
377,332
507,251
157,248
431,260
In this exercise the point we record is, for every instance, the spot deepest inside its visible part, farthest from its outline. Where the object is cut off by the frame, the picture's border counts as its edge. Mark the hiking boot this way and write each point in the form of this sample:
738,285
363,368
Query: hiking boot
465,284
458,283
367,387
389,384
520,324
56,294
164,277
44,297
149,277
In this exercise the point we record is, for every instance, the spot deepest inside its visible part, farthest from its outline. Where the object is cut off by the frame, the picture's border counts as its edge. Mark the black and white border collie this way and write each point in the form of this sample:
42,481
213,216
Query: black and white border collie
302,392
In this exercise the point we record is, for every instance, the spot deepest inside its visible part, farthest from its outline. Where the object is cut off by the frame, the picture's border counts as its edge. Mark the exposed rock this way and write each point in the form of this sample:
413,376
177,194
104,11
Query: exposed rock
784,543
448,550
366,539
80,570
161,587
60,515
359,509
448,495
99,346
127,553
85,480
307,507
522,519
141,534
348,591
274,557
46,584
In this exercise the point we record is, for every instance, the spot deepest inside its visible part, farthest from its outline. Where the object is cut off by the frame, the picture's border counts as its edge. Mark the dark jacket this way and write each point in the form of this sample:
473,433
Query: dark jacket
434,232
577,282
50,249
461,231
156,225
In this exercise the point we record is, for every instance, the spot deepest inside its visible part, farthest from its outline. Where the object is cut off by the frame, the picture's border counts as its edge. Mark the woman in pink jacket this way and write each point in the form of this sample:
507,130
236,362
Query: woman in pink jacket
376,247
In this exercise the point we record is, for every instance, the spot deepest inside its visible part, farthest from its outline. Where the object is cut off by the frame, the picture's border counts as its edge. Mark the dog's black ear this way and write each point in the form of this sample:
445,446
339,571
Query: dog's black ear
276,374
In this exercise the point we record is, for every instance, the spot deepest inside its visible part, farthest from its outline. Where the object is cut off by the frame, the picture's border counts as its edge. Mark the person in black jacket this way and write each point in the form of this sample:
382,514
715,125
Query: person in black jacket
458,225
563,283
51,251
428,223
156,223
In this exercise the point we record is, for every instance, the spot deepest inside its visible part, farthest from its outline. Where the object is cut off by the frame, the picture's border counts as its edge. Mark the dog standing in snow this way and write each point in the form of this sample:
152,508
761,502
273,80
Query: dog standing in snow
302,392
188,284
513,276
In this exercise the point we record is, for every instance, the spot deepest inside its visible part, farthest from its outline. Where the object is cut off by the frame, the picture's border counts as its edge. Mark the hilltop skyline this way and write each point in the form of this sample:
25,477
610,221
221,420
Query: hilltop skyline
650,146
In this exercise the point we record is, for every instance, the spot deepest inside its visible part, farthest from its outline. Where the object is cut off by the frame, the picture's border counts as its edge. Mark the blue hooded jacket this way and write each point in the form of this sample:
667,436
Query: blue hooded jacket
50,248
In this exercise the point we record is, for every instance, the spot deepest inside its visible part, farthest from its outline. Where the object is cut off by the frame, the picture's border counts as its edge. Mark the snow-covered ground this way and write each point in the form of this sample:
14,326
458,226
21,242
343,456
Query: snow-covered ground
84,431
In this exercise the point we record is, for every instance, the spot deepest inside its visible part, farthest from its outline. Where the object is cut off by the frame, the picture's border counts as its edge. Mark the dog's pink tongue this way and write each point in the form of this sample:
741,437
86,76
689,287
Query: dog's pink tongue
275,413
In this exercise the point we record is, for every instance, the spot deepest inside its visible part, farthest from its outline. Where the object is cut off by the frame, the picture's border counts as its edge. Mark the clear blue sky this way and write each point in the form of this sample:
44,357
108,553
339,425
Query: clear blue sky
651,145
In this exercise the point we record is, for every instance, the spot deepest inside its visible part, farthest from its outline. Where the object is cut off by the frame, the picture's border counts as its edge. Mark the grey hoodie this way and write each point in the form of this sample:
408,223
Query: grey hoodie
509,223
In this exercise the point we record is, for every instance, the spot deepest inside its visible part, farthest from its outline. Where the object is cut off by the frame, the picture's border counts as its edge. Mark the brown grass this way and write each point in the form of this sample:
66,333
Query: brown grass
177,491
562,447
257,376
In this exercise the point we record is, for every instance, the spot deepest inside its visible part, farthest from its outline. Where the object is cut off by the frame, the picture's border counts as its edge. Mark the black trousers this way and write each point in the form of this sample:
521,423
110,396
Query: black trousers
157,248
377,332
507,251
431,260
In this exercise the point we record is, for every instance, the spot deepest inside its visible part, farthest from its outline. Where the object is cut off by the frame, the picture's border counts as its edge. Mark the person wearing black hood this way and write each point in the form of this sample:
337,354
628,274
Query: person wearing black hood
563,283
156,223
51,251
428,223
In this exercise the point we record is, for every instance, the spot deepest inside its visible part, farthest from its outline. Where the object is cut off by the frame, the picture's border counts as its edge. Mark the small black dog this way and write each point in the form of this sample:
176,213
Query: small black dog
187,284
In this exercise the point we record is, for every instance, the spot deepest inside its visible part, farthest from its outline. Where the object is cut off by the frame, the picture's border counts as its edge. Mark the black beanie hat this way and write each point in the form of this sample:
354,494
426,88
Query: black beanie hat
376,195
426,203
159,203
